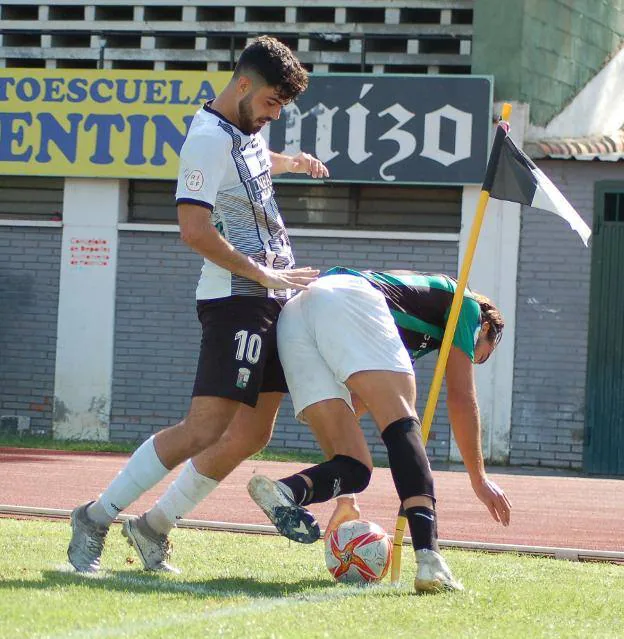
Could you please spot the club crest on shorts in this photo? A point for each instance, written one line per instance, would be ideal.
(243, 377)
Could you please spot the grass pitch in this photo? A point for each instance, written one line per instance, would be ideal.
(236, 585)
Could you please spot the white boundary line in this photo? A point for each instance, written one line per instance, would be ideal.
(244, 607)
(570, 554)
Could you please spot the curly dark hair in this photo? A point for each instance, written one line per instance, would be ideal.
(491, 315)
(276, 64)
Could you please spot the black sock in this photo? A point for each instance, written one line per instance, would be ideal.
(423, 527)
(340, 475)
(298, 486)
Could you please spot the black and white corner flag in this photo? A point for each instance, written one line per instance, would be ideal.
(511, 175)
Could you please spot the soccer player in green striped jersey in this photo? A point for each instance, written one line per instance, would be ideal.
(420, 303)
(347, 344)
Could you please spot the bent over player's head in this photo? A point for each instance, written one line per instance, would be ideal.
(268, 76)
(492, 325)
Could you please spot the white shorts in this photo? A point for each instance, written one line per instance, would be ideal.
(339, 326)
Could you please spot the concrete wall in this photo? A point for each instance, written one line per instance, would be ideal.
(544, 51)
(548, 415)
(157, 334)
(29, 288)
(85, 331)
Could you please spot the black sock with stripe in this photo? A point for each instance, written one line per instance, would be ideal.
(423, 527)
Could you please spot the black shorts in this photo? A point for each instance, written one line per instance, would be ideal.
(238, 356)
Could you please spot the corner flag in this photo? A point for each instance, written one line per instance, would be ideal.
(511, 175)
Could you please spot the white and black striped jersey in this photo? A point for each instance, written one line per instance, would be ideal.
(228, 172)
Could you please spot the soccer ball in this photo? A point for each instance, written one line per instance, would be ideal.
(358, 552)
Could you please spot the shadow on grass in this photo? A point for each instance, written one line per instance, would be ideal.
(126, 581)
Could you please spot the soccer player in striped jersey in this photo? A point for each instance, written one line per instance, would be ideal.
(354, 334)
(227, 214)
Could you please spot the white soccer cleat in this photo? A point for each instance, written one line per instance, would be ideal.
(290, 519)
(153, 549)
(87, 541)
(433, 573)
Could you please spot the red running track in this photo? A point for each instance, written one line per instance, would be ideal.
(548, 510)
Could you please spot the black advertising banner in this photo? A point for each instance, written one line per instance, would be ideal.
(391, 129)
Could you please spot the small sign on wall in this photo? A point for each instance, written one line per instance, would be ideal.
(89, 252)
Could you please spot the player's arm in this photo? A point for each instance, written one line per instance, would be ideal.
(200, 178)
(198, 232)
(463, 412)
(300, 163)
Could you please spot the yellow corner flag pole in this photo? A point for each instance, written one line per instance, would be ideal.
(445, 349)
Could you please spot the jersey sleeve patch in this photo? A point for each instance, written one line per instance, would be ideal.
(203, 161)
(194, 180)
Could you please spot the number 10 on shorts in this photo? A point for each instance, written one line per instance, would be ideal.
(248, 347)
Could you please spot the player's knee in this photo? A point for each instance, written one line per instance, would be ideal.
(354, 474)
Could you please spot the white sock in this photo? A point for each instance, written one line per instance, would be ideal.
(143, 471)
(180, 498)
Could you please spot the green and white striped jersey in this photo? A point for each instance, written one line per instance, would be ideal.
(420, 304)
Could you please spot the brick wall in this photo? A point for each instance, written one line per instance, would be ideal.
(548, 414)
(157, 334)
(29, 285)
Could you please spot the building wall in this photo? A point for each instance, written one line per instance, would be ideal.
(544, 51)
(548, 415)
(29, 285)
(157, 334)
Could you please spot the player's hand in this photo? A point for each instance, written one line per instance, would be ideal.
(297, 278)
(346, 510)
(306, 163)
(494, 499)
